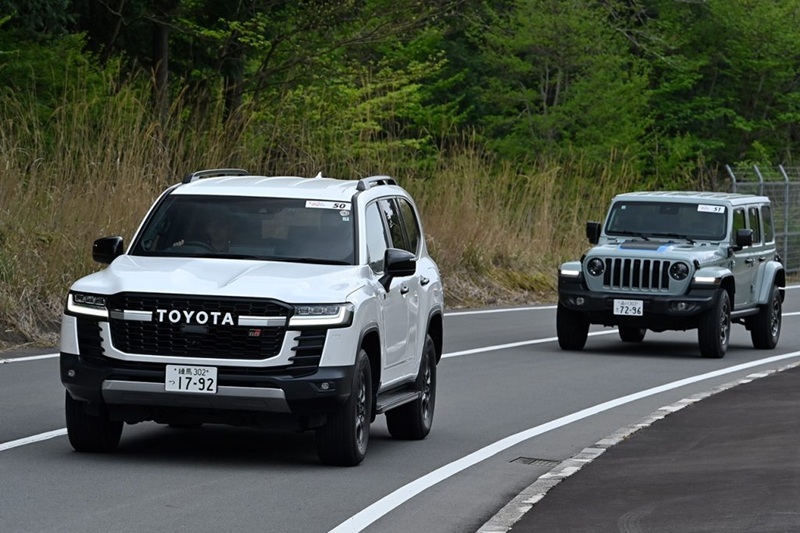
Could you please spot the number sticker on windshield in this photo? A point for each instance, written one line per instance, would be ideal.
(703, 208)
(319, 204)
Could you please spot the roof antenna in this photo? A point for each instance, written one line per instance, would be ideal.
(318, 175)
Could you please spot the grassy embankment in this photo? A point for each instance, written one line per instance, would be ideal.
(94, 166)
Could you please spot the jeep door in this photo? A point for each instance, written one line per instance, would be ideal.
(745, 261)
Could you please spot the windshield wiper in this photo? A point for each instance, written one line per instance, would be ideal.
(674, 236)
(312, 261)
(629, 233)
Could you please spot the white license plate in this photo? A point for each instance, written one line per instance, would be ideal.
(629, 307)
(186, 378)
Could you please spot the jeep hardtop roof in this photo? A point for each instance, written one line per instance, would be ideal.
(240, 183)
(689, 196)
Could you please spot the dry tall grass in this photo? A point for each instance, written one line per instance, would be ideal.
(94, 166)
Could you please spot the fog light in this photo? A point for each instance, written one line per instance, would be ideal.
(579, 300)
(71, 373)
(681, 306)
(326, 385)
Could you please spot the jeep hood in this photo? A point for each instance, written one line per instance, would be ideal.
(288, 282)
(659, 250)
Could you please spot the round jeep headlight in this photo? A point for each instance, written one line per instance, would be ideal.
(595, 266)
(679, 271)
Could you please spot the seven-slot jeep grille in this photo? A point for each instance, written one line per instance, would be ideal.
(639, 274)
(224, 341)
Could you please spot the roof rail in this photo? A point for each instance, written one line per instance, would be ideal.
(366, 183)
(214, 173)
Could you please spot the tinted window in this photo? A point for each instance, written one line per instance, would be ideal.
(394, 222)
(738, 222)
(667, 219)
(755, 224)
(766, 217)
(376, 238)
(411, 224)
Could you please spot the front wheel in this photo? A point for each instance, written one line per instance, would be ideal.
(765, 327)
(714, 331)
(343, 440)
(413, 421)
(572, 328)
(90, 432)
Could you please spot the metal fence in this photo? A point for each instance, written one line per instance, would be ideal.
(782, 186)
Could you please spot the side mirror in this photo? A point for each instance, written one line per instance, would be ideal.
(397, 264)
(744, 237)
(593, 230)
(107, 249)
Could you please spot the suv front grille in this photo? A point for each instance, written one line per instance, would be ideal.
(222, 341)
(639, 274)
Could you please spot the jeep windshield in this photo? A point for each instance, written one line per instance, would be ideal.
(671, 220)
(271, 229)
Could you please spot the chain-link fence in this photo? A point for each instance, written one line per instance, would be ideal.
(782, 186)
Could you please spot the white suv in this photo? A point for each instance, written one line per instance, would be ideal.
(279, 302)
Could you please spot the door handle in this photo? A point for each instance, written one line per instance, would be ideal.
(424, 281)
(749, 261)
(761, 259)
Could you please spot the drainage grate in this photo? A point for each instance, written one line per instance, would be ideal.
(535, 462)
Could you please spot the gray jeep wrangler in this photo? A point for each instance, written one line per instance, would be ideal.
(676, 261)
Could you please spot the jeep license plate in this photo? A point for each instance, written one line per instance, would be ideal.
(628, 307)
(185, 378)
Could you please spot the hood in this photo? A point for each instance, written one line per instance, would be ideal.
(700, 252)
(288, 282)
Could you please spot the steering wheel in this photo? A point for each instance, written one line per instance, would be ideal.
(200, 244)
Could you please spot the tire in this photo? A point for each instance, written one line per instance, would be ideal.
(572, 328)
(714, 331)
(631, 334)
(90, 433)
(343, 440)
(765, 327)
(413, 421)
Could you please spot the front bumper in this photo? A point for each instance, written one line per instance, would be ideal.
(660, 312)
(136, 392)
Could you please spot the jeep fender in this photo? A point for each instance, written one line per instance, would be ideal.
(723, 274)
(772, 273)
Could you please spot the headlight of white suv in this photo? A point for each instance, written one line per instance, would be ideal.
(87, 304)
(322, 315)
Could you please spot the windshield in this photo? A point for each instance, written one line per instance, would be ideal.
(673, 220)
(297, 230)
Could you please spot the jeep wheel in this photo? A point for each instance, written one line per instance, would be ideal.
(343, 440)
(413, 421)
(572, 328)
(88, 432)
(631, 334)
(714, 331)
(765, 327)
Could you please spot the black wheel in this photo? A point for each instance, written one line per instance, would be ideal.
(714, 331)
(765, 327)
(90, 432)
(343, 440)
(413, 421)
(630, 334)
(572, 328)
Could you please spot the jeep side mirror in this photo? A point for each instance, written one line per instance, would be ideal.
(593, 230)
(397, 264)
(107, 249)
(744, 237)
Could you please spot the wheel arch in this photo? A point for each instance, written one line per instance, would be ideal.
(371, 343)
(436, 332)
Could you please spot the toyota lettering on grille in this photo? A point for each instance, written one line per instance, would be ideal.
(175, 316)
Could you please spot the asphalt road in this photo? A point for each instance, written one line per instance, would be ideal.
(510, 406)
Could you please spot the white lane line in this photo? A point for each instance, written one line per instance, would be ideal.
(28, 358)
(516, 345)
(30, 440)
(382, 507)
(490, 311)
